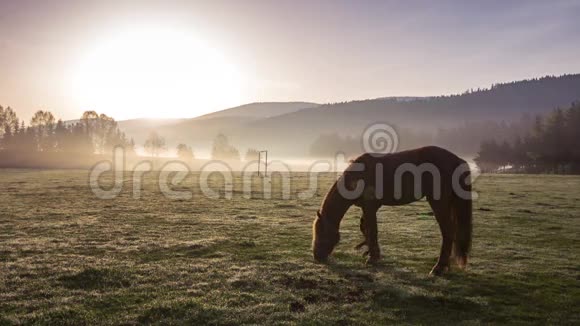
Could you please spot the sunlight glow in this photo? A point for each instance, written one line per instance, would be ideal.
(155, 73)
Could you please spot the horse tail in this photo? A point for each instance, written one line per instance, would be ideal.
(462, 216)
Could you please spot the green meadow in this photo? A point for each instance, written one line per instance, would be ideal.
(67, 257)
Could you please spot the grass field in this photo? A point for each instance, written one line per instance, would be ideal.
(69, 258)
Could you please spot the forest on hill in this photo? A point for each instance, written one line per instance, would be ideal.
(459, 122)
(548, 146)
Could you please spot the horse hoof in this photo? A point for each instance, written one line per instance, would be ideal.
(372, 260)
(439, 270)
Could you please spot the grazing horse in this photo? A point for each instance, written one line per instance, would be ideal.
(374, 180)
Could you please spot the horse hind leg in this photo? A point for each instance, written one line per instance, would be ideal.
(442, 211)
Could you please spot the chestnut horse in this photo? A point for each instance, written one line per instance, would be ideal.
(374, 180)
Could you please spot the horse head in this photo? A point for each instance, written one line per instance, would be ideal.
(325, 237)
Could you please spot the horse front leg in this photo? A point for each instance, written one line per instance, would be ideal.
(370, 218)
(363, 231)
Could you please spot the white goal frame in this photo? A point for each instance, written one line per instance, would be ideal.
(265, 154)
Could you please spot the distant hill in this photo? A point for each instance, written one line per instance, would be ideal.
(260, 110)
(425, 116)
(290, 128)
(202, 130)
(136, 124)
(500, 102)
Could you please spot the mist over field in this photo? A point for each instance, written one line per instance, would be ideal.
(459, 122)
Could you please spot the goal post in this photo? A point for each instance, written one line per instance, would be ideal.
(264, 155)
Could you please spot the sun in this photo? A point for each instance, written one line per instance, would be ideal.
(155, 72)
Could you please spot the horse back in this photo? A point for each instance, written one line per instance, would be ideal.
(430, 168)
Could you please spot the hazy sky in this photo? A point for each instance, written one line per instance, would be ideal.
(64, 56)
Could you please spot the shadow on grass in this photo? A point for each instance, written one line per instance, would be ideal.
(239, 250)
(158, 253)
(408, 296)
(187, 312)
(64, 316)
(464, 296)
(92, 278)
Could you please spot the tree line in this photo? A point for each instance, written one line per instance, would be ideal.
(549, 146)
(93, 133)
(221, 149)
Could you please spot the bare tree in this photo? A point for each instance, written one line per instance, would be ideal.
(184, 152)
(42, 118)
(154, 144)
(43, 123)
(252, 154)
(8, 120)
(222, 150)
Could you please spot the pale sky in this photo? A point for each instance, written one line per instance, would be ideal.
(133, 59)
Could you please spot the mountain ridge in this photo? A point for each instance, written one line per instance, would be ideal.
(293, 126)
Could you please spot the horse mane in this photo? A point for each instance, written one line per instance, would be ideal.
(334, 205)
